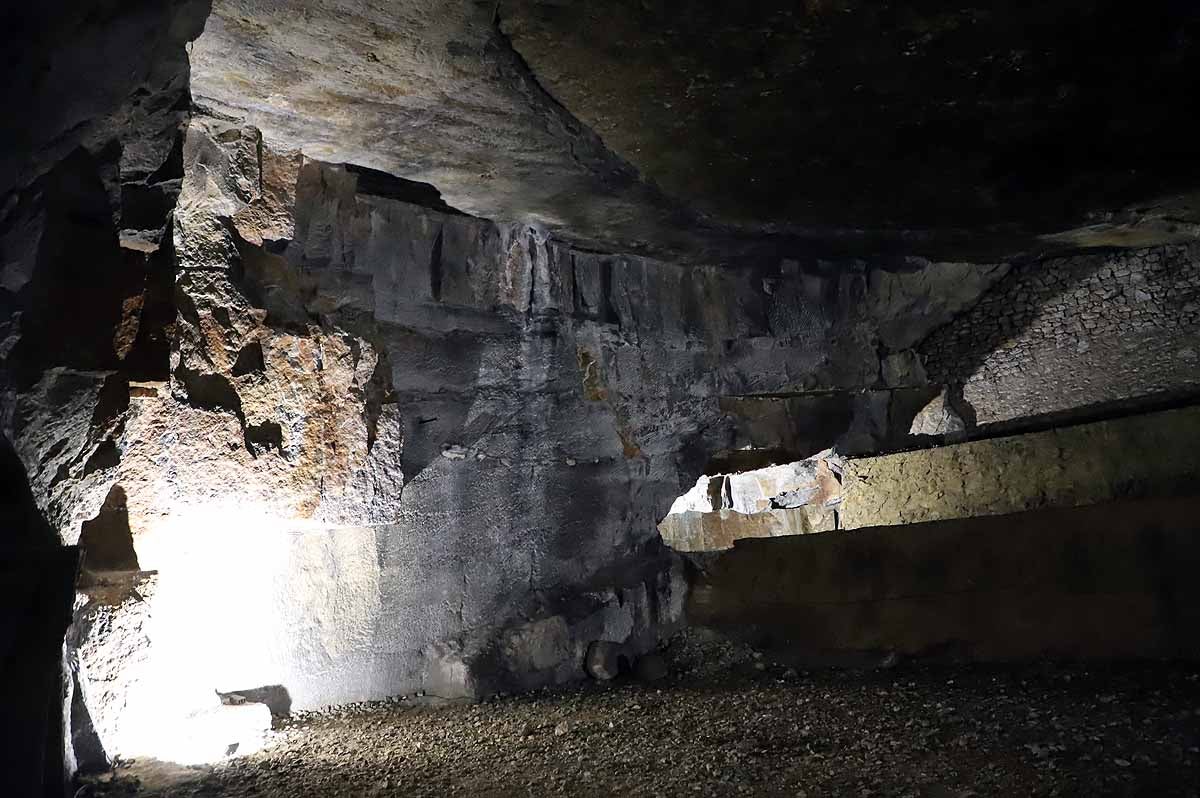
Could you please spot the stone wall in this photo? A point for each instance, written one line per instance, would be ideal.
(1068, 333)
(1110, 581)
(362, 445)
(1156, 454)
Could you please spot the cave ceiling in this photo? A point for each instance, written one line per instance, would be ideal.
(683, 129)
(718, 129)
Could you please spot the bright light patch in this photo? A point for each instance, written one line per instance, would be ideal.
(242, 600)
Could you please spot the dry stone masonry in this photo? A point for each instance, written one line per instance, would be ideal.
(1067, 333)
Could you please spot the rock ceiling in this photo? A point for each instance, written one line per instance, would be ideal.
(714, 130)
(685, 129)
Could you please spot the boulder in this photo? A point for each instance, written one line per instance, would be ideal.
(603, 661)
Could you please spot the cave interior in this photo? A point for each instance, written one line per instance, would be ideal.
(529, 397)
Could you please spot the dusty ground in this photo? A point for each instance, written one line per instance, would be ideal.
(729, 723)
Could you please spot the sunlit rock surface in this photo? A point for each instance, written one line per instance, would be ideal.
(792, 499)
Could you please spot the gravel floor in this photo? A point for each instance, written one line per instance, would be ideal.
(726, 722)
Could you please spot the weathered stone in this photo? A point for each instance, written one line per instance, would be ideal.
(1148, 455)
(603, 660)
(352, 84)
(938, 417)
(1109, 354)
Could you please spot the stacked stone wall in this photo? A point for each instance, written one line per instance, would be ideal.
(1068, 333)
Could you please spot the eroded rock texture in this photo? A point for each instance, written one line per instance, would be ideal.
(793, 499)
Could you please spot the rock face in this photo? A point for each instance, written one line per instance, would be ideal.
(428, 450)
(1112, 581)
(432, 92)
(89, 75)
(793, 499)
(1151, 455)
(322, 435)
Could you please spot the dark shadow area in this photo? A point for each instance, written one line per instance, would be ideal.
(90, 756)
(71, 318)
(149, 355)
(249, 360)
(261, 438)
(381, 184)
(210, 392)
(106, 540)
(37, 589)
(986, 116)
(20, 518)
(1109, 581)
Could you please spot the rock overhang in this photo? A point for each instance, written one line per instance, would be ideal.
(970, 133)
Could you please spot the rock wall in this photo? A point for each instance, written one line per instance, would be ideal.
(1109, 581)
(350, 443)
(1138, 456)
(1068, 333)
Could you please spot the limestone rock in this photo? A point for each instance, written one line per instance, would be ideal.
(938, 417)
(319, 341)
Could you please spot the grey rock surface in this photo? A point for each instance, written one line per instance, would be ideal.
(938, 417)
(430, 91)
(429, 450)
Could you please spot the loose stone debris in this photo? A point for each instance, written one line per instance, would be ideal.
(717, 725)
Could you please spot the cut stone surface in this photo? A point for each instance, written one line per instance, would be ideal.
(938, 418)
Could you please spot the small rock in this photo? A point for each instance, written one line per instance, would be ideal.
(562, 729)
